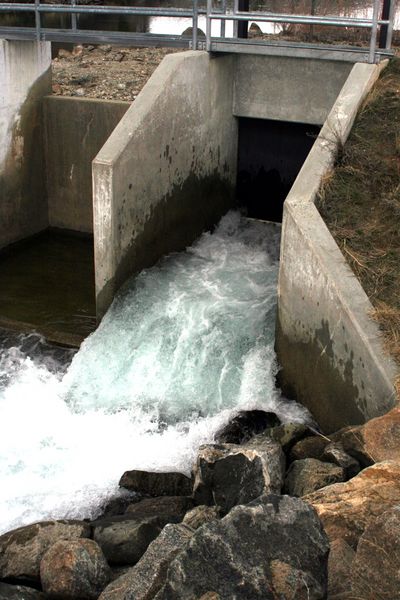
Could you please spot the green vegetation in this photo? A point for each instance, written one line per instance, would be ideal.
(360, 202)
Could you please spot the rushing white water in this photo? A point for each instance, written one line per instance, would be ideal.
(185, 345)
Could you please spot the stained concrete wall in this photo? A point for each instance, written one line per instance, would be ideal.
(24, 79)
(168, 170)
(330, 349)
(287, 89)
(75, 131)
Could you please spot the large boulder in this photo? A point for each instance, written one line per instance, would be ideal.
(245, 425)
(124, 540)
(287, 434)
(306, 476)
(272, 548)
(19, 592)
(228, 474)
(21, 550)
(74, 570)
(376, 441)
(346, 509)
(169, 509)
(156, 484)
(146, 578)
(376, 568)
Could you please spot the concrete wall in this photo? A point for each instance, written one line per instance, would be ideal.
(330, 349)
(75, 130)
(168, 170)
(287, 89)
(24, 79)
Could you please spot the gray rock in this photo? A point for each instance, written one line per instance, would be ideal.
(145, 579)
(312, 446)
(287, 434)
(75, 569)
(200, 515)
(376, 567)
(308, 475)
(272, 548)
(246, 425)
(156, 484)
(340, 564)
(21, 550)
(124, 540)
(335, 453)
(171, 509)
(19, 592)
(228, 474)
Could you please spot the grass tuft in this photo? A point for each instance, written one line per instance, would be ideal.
(360, 203)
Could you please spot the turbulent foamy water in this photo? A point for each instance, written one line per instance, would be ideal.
(186, 345)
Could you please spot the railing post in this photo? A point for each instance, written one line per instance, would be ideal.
(195, 24)
(374, 31)
(37, 20)
(235, 23)
(243, 26)
(208, 25)
(73, 17)
(223, 22)
(389, 28)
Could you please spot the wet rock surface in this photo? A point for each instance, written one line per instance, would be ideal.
(145, 579)
(156, 484)
(307, 475)
(21, 550)
(73, 570)
(245, 425)
(170, 509)
(287, 434)
(272, 548)
(347, 509)
(228, 474)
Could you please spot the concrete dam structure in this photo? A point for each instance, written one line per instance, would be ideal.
(167, 167)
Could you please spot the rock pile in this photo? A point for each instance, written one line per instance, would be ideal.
(227, 532)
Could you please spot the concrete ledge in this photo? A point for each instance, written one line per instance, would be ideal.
(329, 346)
(168, 170)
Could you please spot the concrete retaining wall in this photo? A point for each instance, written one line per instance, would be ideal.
(168, 170)
(330, 349)
(287, 89)
(24, 79)
(75, 131)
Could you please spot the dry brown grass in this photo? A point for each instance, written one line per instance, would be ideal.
(360, 202)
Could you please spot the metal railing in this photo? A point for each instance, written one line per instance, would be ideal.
(212, 43)
(234, 44)
(74, 34)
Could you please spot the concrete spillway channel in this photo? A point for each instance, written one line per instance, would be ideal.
(204, 131)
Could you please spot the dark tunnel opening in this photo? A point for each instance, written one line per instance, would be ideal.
(270, 155)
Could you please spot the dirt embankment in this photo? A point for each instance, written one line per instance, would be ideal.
(360, 202)
(106, 72)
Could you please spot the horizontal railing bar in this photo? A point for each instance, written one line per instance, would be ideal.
(106, 10)
(94, 36)
(300, 19)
